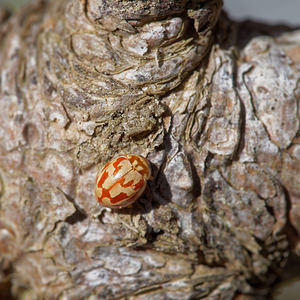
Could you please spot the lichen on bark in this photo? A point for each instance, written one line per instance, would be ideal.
(211, 103)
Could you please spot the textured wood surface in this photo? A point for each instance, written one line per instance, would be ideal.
(212, 104)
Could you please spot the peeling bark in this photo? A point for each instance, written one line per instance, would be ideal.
(211, 103)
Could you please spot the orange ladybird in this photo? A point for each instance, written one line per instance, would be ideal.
(122, 181)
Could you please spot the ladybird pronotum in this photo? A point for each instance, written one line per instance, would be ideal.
(122, 181)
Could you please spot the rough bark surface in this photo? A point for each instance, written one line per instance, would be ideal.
(213, 106)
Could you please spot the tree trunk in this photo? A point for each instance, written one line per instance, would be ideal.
(212, 104)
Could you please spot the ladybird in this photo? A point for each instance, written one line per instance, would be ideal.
(122, 181)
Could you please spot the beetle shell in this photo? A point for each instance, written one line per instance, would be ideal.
(122, 181)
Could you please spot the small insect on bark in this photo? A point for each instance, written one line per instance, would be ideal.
(122, 181)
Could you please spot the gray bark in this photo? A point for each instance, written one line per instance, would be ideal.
(213, 105)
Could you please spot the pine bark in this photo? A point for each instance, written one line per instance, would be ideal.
(212, 104)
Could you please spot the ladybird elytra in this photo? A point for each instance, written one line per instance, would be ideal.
(122, 181)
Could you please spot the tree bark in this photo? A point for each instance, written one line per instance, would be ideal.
(211, 103)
